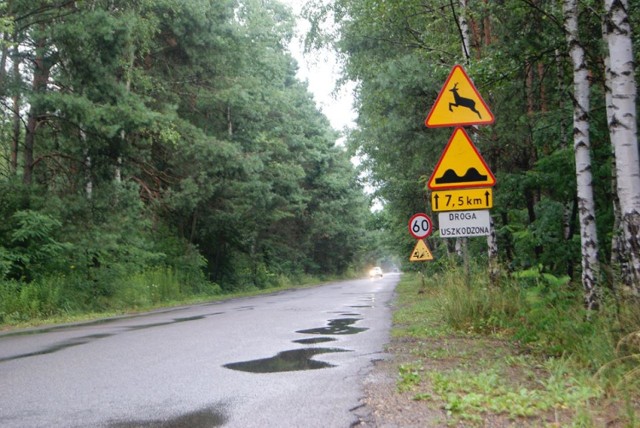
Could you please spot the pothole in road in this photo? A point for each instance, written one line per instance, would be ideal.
(313, 340)
(337, 326)
(204, 418)
(287, 361)
(58, 346)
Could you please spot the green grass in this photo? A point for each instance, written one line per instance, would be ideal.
(523, 353)
(64, 300)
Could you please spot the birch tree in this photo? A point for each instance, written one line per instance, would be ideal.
(582, 148)
(621, 114)
(492, 239)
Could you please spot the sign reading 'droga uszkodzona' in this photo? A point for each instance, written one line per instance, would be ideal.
(458, 224)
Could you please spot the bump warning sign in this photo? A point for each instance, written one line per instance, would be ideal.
(461, 166)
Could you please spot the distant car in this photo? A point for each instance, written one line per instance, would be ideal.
(375, 272)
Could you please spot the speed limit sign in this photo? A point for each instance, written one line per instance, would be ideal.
(420, 226)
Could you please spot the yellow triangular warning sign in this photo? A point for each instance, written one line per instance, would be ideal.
(459, 103)
(461, 166)
(421, 252)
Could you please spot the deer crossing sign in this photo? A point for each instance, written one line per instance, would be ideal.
(459, 103)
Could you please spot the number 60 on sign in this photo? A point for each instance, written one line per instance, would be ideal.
(420, 226)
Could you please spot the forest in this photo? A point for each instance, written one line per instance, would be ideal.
(558, 76)
(156, 150)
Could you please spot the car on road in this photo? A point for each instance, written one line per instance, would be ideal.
(376, 272)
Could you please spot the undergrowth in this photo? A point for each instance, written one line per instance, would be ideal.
(563, 365)
(51, 300)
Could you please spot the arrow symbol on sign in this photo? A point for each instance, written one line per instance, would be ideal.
(487, 194)
(435, 198)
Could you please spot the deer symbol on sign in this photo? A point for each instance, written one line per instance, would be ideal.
(462, 101)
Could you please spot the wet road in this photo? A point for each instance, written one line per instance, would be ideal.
(296, 358)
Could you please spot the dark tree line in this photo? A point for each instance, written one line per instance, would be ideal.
(144, 135)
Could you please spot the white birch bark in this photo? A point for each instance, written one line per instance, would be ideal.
(466, 54)
(619, 254)
(464, 31)
(492, 240)
(582, 148)
(88, 182)
(621, 114)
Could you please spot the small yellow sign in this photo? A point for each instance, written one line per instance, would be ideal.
(461, 199)
(459, 103)
(421, 252)
(461, 166)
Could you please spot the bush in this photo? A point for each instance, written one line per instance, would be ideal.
(23, 302)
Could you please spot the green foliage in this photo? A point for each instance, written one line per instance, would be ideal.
(173, 146)
(35, 250)
(20, 302)
(465, 395)
(400, 53)
(409, 376)
(460, 366)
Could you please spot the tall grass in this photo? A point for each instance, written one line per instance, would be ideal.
(22, 302)
(62, 296)
(546, 315)
(585, 364)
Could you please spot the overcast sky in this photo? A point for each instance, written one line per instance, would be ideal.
(321, 71)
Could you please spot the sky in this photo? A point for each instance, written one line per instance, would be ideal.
(321, 71)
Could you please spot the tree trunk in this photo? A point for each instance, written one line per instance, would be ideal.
(492, 240)
(17, 120)
(621, 113)
(582, 148)
(492, 252)
(88, 181)
(123, 135)
(3, 63)
(40, 79)
(464, 31)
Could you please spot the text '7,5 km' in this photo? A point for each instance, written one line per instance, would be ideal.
(461, 199)
(420, 226)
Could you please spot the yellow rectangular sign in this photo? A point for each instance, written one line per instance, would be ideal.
(461, 199)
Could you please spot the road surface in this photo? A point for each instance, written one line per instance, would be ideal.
(290, 359)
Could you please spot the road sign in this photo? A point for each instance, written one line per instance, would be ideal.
(459, 103)
(457, 224)
(420, 226)
(421, 252)
(461, 165)
(461, 199)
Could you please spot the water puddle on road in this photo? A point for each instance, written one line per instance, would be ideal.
(314, 340)
(58, 346)
(337, 326)
(204, 418)
(287, 361)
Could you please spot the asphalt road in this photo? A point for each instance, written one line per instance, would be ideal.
(291, 359)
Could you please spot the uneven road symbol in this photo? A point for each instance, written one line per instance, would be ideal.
(461, 165)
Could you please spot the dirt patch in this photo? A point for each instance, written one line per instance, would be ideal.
(394, 399)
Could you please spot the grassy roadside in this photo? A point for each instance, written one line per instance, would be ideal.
(492, 358)
(146, 304)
